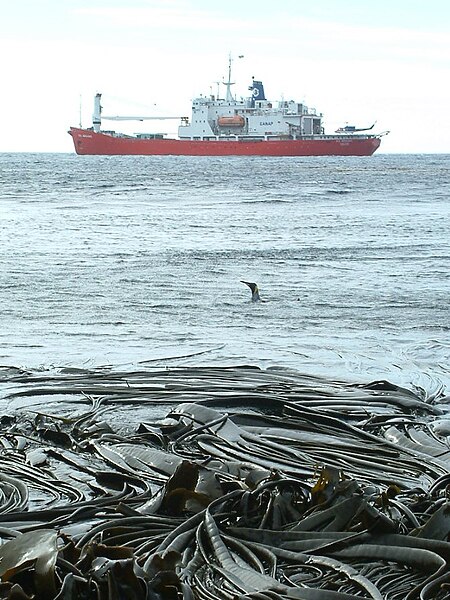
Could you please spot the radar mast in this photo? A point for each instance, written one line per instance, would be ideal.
(229, 83)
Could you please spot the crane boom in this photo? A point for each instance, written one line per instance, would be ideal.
(98, 116)
(120, 118)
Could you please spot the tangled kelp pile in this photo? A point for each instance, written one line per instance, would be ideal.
(218, 483)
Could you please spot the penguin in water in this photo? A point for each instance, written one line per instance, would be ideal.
(255, 291)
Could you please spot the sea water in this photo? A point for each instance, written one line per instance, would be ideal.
(127, 261)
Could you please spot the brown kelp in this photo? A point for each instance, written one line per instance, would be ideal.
(218, 483)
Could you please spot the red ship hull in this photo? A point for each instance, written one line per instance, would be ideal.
(89, 142)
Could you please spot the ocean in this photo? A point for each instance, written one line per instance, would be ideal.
(155, 422)
(126, 261)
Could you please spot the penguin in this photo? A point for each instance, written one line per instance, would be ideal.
(255, 291)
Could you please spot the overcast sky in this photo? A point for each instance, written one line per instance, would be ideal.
(356, 61)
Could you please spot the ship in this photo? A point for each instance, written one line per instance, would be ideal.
(251, 126)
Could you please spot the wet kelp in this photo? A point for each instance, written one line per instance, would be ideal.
(218, 483)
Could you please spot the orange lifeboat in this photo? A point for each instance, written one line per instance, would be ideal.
(235, 121)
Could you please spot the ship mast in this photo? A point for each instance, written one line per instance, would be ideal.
(229, 83)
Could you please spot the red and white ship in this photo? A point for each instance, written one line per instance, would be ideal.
(227, 126)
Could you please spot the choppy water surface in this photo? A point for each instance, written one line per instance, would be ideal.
(156, 423)
(117, 260)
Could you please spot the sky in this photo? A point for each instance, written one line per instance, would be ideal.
(356, 61)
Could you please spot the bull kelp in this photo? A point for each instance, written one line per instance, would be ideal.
(221, 483)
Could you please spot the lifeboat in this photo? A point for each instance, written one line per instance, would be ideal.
(235, 121)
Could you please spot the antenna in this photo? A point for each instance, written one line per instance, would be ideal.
(81, 126)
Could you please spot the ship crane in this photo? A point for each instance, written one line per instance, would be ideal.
(97, 116)
(119, 118)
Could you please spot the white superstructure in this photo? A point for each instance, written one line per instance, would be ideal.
(255, 117)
